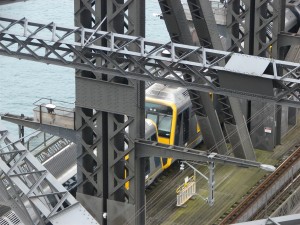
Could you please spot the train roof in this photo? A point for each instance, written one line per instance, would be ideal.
(177, 95)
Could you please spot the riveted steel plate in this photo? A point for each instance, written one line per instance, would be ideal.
(247, 64)
(106, 96)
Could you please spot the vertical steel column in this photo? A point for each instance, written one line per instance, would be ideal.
(238, 23)
(207, 32)
(128, 17)
(179, 32)
(253, 27)
(107, 132)
(268, 20)
(89, 133)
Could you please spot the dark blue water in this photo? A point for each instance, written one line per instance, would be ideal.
(24, 82)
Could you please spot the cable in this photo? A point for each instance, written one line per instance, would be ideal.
(150, 202)
(252, 131)
(256, 127)
(242, 126)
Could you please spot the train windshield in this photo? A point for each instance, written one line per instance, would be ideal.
(162, 116)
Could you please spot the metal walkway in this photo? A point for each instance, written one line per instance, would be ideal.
(32, 191)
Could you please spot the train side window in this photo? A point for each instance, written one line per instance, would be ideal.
(164, 126)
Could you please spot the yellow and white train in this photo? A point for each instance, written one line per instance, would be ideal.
(169, 120)
(170, 109)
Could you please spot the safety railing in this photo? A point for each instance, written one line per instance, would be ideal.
(37, 140)
(48, 111)
(186, 191)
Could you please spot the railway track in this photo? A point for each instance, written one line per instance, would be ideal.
(275, 202)
(266, 191)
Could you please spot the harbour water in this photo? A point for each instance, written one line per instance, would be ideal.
(24, 82)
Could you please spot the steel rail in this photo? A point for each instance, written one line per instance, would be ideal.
(282, 195)
(250, 200)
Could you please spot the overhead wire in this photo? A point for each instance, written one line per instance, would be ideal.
(198, 179)
(238, 128)
(254, 128)
(151, 201)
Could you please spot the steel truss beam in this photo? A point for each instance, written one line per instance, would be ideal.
(234, 121)
(148, 148)
(238, 23)
(103, 129)
(89, 163)
(269, 19)
(124, 61)
(253, 28)
(176, 22)
(145, 148)
(288, 39)
(38, 196)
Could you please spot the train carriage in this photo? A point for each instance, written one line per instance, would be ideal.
(170, 108)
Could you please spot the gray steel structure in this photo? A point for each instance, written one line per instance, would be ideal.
(282, 220)
(290, 204)
(234, 122)
(268, 195)
(254, 26)
(76, 211)
(28, 43)
(32, 191)
(143, 149)
(174, 17)
(102, 102)
(128, 61)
